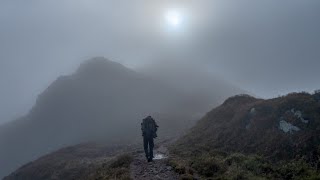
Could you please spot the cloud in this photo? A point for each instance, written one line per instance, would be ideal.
(268, 48)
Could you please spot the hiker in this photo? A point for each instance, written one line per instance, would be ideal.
(149, 129)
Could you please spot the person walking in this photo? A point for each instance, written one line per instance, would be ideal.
(149, 129)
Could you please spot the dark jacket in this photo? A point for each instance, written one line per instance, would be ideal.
(149, 127)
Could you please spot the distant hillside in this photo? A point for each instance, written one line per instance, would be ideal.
(193, 80)
(254, 138)
(102, 101)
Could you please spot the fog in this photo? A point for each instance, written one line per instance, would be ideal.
(267, 48)
(105, 101)
(206, 52)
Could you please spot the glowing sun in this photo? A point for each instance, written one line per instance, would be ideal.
(174, 18)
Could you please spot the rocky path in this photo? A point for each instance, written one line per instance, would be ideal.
(140, 169)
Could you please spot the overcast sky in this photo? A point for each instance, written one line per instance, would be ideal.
(266, 47)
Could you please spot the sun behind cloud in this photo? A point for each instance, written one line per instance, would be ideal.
(173, 18)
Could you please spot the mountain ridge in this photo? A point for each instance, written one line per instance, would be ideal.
(221, 145)
(93, 103)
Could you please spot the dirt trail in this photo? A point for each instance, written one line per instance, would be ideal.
(140, 169)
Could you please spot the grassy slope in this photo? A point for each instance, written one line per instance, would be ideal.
(118, 168)
(82, 162)
(222, 146)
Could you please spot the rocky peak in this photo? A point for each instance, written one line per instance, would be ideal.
(100, 67)
(241, 99)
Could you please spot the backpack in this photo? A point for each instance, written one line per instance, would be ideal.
(149, 127)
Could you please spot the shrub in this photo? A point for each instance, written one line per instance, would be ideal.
(316, 95)
(186, 177)
(117, 169)
(208, 165)
(235, 158)
(122, 161)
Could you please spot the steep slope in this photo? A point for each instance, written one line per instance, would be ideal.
(102, 100)
(283, 131)
(92, 161)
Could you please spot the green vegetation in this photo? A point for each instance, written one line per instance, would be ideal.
(234, 166)
(317, 95)
(242, 139)
(118, 169)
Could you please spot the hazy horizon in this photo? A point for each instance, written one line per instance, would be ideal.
(268, 48)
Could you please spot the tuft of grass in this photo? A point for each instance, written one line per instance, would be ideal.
(117, 169)
(297, 170)
(186, 177)
(208, 165)
(122, 161)
(237, 166)
(178, 166)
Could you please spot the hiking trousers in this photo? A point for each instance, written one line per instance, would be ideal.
(148, 146)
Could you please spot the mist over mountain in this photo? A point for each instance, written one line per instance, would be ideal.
(102, 101)
(269, 48)
(194, 80)
(243, 138)
(217, 77)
